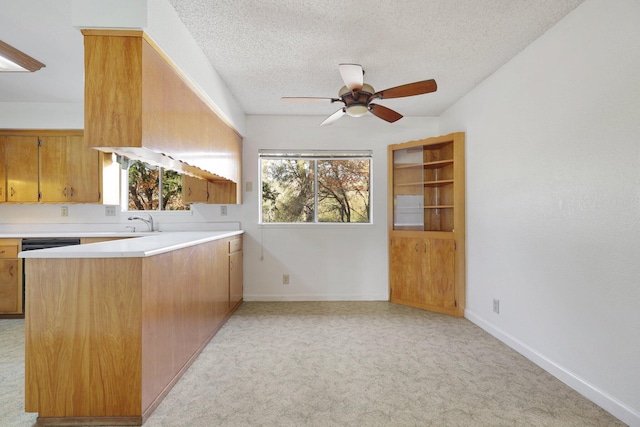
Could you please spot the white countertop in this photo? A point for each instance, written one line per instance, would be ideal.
(147, 244)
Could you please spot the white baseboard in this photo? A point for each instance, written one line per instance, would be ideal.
(604, 400)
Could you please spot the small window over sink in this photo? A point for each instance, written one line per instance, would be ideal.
(151, 188)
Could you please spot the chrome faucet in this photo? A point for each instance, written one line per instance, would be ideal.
(148, 221)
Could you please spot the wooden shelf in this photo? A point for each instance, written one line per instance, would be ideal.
(439, 207)
(428, 165)
(439, 183)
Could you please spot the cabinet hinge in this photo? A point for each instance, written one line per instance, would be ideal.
(455, 246)
(455, 303)
(39, 195)
(39, 142)
(99, 196)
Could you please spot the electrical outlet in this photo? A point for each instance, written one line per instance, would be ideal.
(248, 186)
(223, 211)
(109, 211)
(496, 306)
(64, 211)
(285, 279)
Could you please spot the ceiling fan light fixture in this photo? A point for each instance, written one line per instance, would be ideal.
(357, 110)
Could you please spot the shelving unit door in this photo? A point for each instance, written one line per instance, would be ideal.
(408, 189)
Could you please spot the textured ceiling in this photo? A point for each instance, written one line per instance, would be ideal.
(266, 49)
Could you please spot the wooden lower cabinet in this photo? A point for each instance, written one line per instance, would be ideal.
(10, 278)
(422, 273)
(107, 338)
(235, 271)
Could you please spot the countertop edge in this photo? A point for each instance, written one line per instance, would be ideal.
(133, 247)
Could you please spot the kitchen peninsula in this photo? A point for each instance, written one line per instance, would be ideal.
(110, 327)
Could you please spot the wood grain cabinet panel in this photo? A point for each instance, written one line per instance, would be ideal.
(55, 166)
(198, 190)
(107, 338)
(21, 163)
(69, 171)
(10, 277)
(194, 190)
(139, 104)
(3, 172)
(235, 271)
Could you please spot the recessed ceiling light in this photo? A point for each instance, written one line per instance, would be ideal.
(12, 60)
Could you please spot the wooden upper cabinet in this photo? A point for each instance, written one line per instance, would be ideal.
(21, 160)
(53, 169)
(3, 172)
(137, 101)
(198, 190)
(194, 190)
(69, 170)
(55, 166)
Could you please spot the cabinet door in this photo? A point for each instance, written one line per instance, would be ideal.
(53, 169)
(10, 286)
(438, 287)
(220, 273)
(194, 190)
(422, 272)
(21, 154)
(83, 171)
(405, 275)
(222, 192)
(3, 172)
(235, 278)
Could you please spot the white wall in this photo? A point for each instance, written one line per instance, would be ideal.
(553, 202)
(35, 115)
(325, 262)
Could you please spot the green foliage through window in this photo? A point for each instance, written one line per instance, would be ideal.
(315, 190)
(146, 183)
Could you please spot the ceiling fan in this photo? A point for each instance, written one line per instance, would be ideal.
(357, 96)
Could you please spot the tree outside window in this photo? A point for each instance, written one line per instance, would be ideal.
(319, 190)
(146, 183)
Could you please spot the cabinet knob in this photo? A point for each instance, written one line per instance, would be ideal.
(11, 271)
(72, 192)
(12, 192)
(64, 192)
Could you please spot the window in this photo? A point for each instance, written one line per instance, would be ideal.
(315, 187)
(152, 188)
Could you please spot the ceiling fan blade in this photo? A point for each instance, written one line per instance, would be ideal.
(334, 117)
(384, 113)
(411, 89)
(308, 98)
(352, 75)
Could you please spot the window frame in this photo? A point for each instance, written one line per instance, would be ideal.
(124, 190)
(315, 155)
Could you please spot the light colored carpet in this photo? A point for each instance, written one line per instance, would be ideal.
(345, 364)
